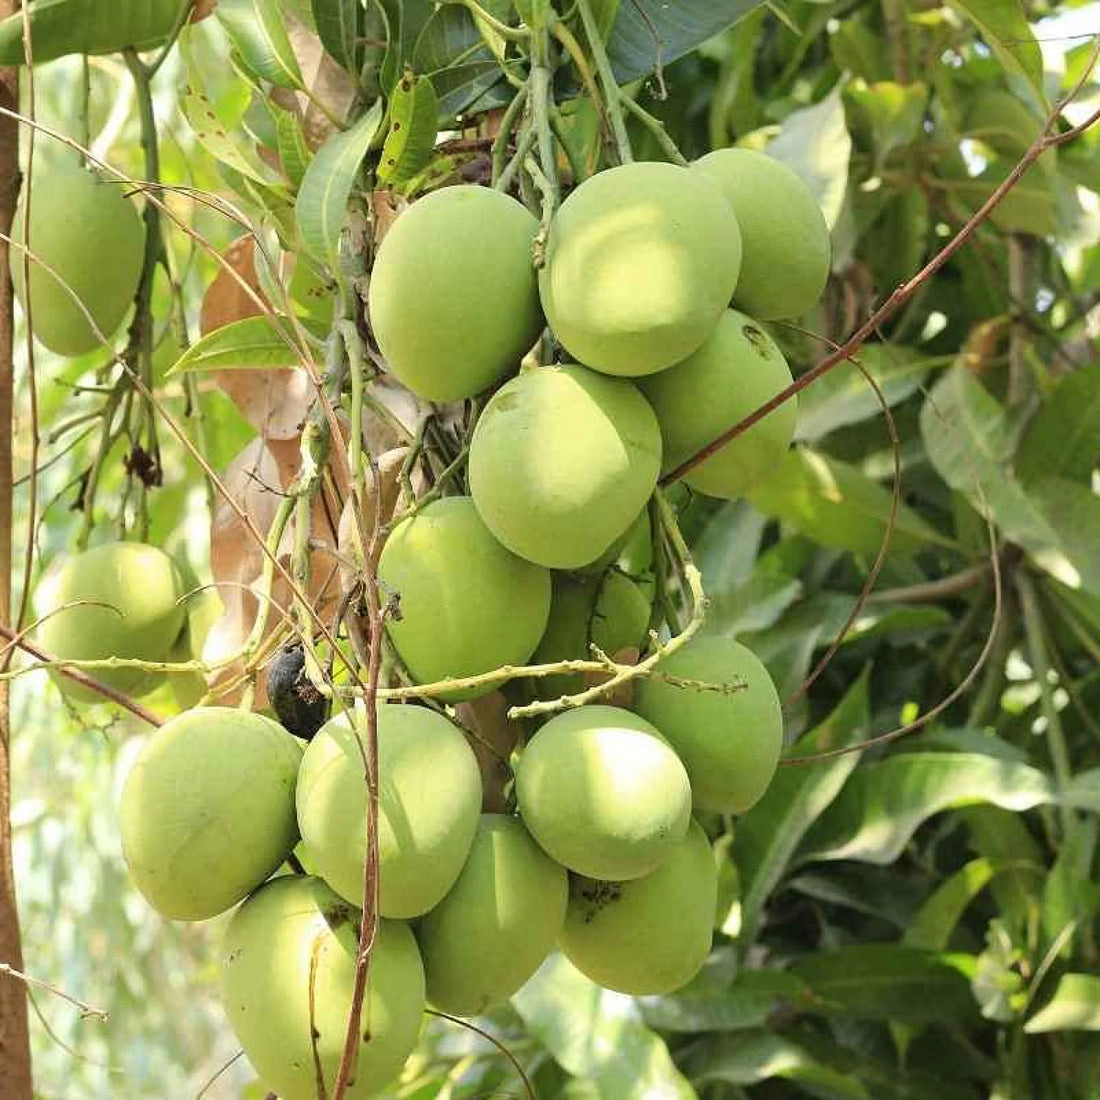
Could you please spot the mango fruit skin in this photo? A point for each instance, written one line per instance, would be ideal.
(61, 27)
(736, 371)
(652, 934)
(609, 611)
(207, 810)
(603, 793)
(640, 262)
(429, 801)
(561, 462)
(499, 921)
(785, 239)
(89, 233)
(453, 295)
(730, 744)
(468, 605)
(135, 614)
(293, 943)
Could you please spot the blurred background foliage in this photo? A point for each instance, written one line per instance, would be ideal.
(917, 920)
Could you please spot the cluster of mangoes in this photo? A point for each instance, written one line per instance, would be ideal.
(603, 859)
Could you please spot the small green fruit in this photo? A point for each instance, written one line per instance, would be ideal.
(429, 801)
(609, 611)
(498, 923)
(561, 462)
(602, 793)
(467, 605)
(207, 811)
(640, 262)
(131, 611)
(87, 231)
(286, 973)
(735, 372)
(730, 744)
(783, 232)
(650, 935)
(453, 296)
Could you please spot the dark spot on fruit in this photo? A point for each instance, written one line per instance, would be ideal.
(391, 161)
(395, 127)
(406, 86)
(367, 1036)
(758, 340)
(315, 1033)
(300, 707)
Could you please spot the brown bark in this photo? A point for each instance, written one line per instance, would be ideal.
(15, 1054)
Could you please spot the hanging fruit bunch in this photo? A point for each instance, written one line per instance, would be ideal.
(482, 715)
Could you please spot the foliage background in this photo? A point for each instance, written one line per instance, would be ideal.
(965, 832)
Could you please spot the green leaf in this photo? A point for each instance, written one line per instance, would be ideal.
(970, 443)
(892, 112)
(61, 27)
(749, 1059)
(1069, 894)
(815, 143)
(597, 1035)
(1062, 440)
(647, 34)
(1072, 512)
(249, 344)
(942, 910)
(843, 396)
(883, 804)
(1005, 28)
(753, 998)
(768, 835)
(327, 186)
(339, 26)
(889, 982)
(410, 141)
(258, 31)
(1075, 1006)
(836, 505)
(295, 154)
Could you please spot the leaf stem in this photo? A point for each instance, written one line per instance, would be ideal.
(612, 92)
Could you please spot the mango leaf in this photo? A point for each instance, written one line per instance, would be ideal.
(843, 396)
(258, 32)
(597, 1035)
(815, 143)
(1075, 1006)
(1072, 512)
(1069, 894)
(889, 982)
(294, 154)
(942, 910)
(768, 835)
(339, 26)
(1005, 28)
(250, 344)
(410, 141)
(892, 112)
(753, 998)
(1062, 440)
(647, 34)
(836, 505)
(749, 1059)
(884, 803)
(970, 443)
(328, 182)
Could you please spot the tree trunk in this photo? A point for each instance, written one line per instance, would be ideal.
(15, 1053)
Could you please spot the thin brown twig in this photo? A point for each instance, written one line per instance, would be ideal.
(528, 1087)
(1046, 140)
(79, 677)
(87, 1011)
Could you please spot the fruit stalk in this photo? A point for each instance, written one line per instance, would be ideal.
(612, 92)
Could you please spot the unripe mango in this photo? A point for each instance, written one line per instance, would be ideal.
(207, 811)
(609, 611)
(87, 231)
(729, 743)
(735, 372)
(603, 793)
(640, 262)
(132, 611)
(650, 935)
(453, 296)
(498, 923)
(429, 800)
(467, 604)
(785, 238)
(286, 972)
(562, 461)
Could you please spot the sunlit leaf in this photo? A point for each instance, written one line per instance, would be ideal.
(1075, 1006)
